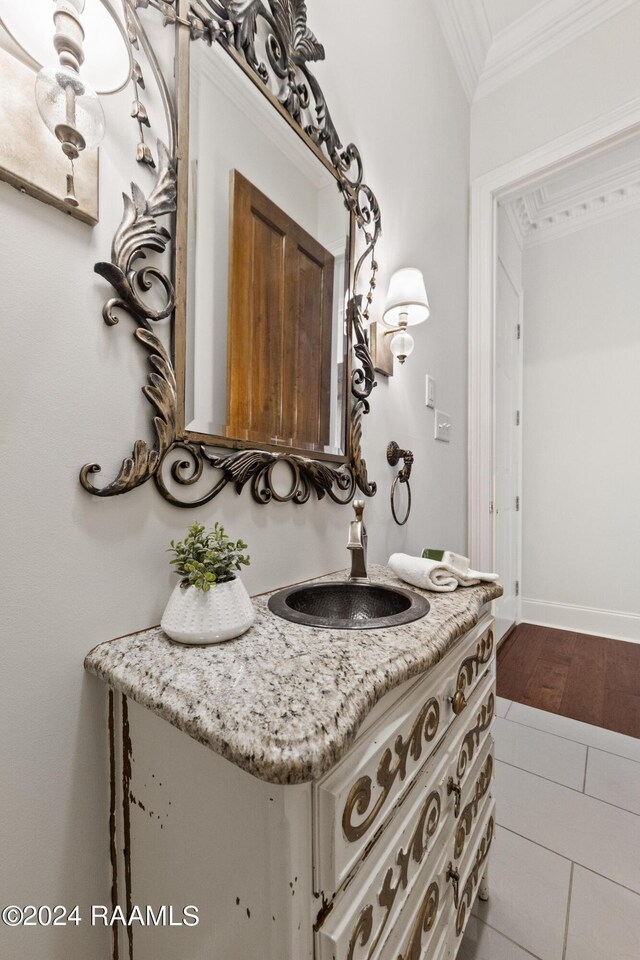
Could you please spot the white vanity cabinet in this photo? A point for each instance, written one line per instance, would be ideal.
(379, 856)
(403, 824)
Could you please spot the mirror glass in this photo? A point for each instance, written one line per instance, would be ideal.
(269, 241)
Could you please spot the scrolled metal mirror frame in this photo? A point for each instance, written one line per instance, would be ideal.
(290, 46)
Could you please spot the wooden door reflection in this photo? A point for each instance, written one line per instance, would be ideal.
(280, 326)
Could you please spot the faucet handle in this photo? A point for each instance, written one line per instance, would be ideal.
(358, 506)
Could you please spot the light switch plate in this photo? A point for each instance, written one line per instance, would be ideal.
(443, 426)
(430, 391)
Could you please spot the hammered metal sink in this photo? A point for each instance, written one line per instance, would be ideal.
(348, 606)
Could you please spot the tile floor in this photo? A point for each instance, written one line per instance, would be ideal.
(565, 867)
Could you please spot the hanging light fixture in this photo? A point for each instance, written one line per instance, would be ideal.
(406, 306)
(69, 107)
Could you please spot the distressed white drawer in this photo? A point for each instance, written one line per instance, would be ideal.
(427, 928)
(476, 788)
(353, 801)
(417, 933)
(473, 865)
(419, 835)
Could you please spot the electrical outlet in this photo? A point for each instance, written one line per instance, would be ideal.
(443, 427)
(430, 391)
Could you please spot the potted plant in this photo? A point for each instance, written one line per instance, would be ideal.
(210, 603)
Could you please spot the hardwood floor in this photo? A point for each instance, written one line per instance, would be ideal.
(593, 679)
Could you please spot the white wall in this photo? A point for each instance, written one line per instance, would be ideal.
(581, 459)
(590, 77)
(78, 570)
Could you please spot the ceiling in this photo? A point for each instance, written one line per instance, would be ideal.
(604, 185)
(492, 41)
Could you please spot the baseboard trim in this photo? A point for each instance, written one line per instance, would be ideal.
(567, 616)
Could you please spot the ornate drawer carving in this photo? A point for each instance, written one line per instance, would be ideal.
(472, 832)
(354, 801)
(360, 812)
(366, 911)
(366, 934)
(472, 744)
(415, 928)
(471, 669)
(481, 786)
(427, 928)
(422, 924)
(464, 891)
(404, 861)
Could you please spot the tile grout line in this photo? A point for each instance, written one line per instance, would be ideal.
(602, 877)
(581, 743)
(614, 806)
(558, 783)
(584, 782)
(610, 753)
(566, 926)
(575, 862)
(508, 708)
(510, 939)
(574, 789)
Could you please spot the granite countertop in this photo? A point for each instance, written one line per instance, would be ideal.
(284, 701)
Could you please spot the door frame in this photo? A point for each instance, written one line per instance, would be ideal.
(519, 292)
(486, 192)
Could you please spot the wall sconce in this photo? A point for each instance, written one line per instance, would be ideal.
(94, 54)
(68, 106)
(406, 306)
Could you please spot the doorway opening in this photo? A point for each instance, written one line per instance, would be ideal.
(553, 338)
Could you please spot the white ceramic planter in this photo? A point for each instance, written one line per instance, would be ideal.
(193, 616)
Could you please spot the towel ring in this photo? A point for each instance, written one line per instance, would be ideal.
(394, 455)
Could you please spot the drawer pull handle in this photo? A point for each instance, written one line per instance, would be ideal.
(454, 876)
(453, 787)
(458, 702)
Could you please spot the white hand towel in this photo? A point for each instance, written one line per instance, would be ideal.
(435, 575)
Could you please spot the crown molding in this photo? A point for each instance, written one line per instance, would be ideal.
(544, 201)
(468, 36)
(539, 33)
(537, 218)
(605, 208)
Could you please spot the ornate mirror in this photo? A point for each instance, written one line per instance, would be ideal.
(273, 232)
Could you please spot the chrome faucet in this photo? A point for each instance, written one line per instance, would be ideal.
(357, 544)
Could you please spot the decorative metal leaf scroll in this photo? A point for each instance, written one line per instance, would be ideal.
(289, 48)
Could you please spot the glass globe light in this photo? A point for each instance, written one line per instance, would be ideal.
(401, 345)
(70, 109)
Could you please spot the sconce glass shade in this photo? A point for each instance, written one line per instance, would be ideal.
(401, 345)
(407, 301)
(65, 101)
(107, 53)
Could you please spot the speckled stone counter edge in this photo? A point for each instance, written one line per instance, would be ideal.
(284, 702)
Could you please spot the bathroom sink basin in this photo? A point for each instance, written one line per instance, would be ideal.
(348, 606)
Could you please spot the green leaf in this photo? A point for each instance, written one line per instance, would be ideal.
(204, 559)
